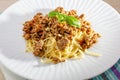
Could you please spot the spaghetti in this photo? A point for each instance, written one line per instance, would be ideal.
(54, 39)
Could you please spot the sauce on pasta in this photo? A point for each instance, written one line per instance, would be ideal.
(55, 40)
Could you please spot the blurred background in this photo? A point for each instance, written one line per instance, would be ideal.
(6, 3)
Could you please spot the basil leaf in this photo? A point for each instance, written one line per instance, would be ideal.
(61, 17)
(53, 14)
(73, 21)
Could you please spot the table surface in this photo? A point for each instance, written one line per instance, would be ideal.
(6, 3)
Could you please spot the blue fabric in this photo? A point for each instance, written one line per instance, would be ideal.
(111, 74)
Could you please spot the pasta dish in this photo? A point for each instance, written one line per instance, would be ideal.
(59, 35)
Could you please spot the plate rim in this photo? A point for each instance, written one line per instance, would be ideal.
(2, 14)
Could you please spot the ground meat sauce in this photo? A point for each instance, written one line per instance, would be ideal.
(62, 43)
(40, 27)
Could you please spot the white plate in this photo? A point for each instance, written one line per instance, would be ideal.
(104, 19)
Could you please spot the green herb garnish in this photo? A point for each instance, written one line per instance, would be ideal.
(71, 20)
(53, 14)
